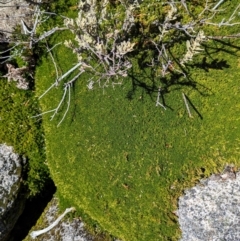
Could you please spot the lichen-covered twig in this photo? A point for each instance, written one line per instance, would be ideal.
(17, 74)
(193, 47)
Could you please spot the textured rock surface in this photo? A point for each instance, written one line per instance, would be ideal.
(66, 230)
(211, 210)
(11, 200)
(11, 14)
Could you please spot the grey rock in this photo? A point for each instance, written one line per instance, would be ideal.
(12, 13)
(66, 230)
(211, 210)
(11, 200)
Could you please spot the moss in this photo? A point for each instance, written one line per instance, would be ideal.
(122, 160)
(24, 133)
(125, 162)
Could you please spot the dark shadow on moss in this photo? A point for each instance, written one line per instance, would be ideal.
(176, 76)
(214, 64)
(172, 82)
(221, 45)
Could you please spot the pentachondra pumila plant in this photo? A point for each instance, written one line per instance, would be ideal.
(109, 35)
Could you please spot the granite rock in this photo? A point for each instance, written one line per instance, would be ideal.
(211, 210)
(11, 199)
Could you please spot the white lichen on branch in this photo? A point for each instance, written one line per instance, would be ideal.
(106, 49)
(103, 45)
(17, 75)
(193, 47)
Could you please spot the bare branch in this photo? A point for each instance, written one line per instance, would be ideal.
(43, 113)
(34, 234)
(218, 4)
(60, 103)
(68, 87)
(54, 63)
(187, 106)
(37, 13)
(46, 91)
(158, 99)
(50, 32)
(69, 72)
(226, 22)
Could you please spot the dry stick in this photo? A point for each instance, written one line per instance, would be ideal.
(158, 97)
(59, 79)
(8, 50)
(69, 101)
(46, 91)
(49, 111)
(69, 83)
(4, 57)
(50, 32)
(227, 23)
(217, 5)
(54, 46)
(25, 28)
(60, 103)
(54, 63)
(69, 72)
(67, 87)
(224, 37)
(183, 2)
(34, 234)
(187, 106)
(37, 11)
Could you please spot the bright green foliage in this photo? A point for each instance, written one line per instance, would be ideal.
(24, 133)
(124, 161)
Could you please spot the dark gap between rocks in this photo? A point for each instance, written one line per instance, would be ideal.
(33, 209)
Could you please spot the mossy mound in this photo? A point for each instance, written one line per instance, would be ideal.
(124, 161)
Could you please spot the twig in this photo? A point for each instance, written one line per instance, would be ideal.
(158, 99)
(9, 49)
(217, 5)
(224, 37)
(59, 79)
(25, 28)
(37, 12)
(68, 105)
(60, 103)
(187, 106)
(50, 32)
(228, 22)
(69, 72)
(54, 46)
(46, 91)
(67, 87)
(43, 113)
(34, 234)
(54, 63)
